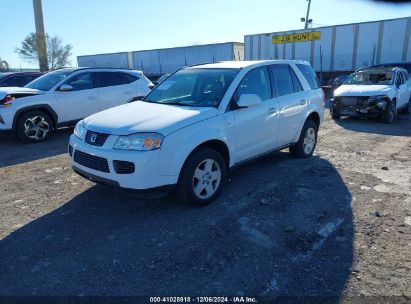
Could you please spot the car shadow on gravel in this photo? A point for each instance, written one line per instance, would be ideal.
(400, 127)
(15, 152)
(282, 228)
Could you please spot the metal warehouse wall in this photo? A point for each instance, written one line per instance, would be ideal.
(161, 61)
(344, 47)
(114, 60)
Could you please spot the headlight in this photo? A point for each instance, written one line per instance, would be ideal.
(80, 130)
(378, 100)
(139, 141)
(378, 97)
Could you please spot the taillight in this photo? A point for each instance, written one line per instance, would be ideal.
(324, 99)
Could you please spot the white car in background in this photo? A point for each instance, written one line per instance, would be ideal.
(63, 97)
(197, 124)
(379, 92)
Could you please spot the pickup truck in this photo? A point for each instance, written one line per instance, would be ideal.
(378, 92)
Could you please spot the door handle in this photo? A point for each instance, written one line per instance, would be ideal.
(303, 102)
(91, 97)
(127, 92)
(272, 111)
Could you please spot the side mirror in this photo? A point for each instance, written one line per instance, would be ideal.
(66, 88)
(248, 100)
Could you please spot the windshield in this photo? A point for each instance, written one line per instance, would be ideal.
(370, 78)
(194, 87)
(46, 82)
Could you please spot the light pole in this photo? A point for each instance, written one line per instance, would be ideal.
(40, 35)
(307, 19)
(308, 15)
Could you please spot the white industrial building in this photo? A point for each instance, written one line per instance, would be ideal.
(336, 48)
(161, 61)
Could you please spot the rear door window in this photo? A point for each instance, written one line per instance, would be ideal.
(108, 79)
(309, 74)
(283, 82)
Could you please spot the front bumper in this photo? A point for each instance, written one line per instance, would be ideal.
(358, 106)
(98, 165)
(6, 119)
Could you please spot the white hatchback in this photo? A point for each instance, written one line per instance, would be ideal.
(197, 124)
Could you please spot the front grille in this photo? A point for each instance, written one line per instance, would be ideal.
(70, 150)
(91, 161)
(354, 103)
(123, 167)
(95, 138)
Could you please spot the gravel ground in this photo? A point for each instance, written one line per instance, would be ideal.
(338, 225)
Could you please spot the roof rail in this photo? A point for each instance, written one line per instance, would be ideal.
(197, 64)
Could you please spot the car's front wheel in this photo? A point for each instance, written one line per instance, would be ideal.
(390, 112)
(305, 146)
(34, 126)
(202, 178)
(335, 114)
(407, 108)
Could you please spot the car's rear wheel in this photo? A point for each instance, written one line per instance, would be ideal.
(390, 112)
(34, 126)
(305, 146)
(202, 178)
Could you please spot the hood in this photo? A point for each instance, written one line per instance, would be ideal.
(4, 91)
(361, 90)
(142, 116)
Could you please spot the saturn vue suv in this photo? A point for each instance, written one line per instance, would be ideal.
(197, 124)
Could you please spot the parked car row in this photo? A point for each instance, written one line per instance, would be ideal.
(196, 124)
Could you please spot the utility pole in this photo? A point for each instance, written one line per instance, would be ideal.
(308, 15)
(307, 21)
(40, 35)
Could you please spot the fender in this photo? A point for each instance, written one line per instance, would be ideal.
(178, 146)
(35, 107)
(312, 108)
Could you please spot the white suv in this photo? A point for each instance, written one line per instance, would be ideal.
(376, 92)
(200, 122)
(63, 97)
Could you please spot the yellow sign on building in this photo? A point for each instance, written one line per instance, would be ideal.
(297, 37)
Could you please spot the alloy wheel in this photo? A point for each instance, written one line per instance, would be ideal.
(36, 127)
(309, 140)
(206, 179)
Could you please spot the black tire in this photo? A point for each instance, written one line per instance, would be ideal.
(407, 108)
(298, 150)
(390, 112)
(334, 113)
(37, 119)
(187, 181)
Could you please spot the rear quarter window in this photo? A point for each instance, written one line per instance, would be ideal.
(309, 75)
(130, 78)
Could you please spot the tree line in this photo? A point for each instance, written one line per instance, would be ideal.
(58, 53)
